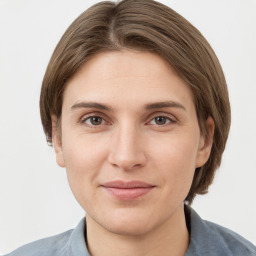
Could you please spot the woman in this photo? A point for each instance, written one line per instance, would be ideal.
(136, 106)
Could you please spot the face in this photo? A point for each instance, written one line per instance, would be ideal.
(130, 140)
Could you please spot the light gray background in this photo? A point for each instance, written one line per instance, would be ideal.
(35, 199)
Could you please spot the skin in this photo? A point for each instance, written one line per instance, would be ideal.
(161, 145)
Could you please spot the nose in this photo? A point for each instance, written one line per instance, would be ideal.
(127, 150)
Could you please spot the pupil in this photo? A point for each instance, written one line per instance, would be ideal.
(96, 120)
(160, 120)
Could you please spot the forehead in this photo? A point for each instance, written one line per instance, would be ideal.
(124, 63)
(127, 77)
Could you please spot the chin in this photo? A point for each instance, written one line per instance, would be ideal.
(128, 223)
(132, 228)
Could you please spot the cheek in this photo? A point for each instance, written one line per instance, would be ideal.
(176, 152)
(83, 161)
(82, 152)
(176, 161)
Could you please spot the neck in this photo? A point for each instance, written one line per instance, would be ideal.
(170, 238)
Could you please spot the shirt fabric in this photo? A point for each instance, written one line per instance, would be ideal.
(206, 239)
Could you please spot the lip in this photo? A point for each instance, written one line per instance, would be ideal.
(123, 190)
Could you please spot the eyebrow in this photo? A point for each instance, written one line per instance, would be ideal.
(149, 106)
(164, 104)
(91, 105)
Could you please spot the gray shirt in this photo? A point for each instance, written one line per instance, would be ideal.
(206, 238)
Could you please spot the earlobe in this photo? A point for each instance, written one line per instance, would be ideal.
(56, 140)
(205, 144)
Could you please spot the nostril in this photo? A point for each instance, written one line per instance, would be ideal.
(126, 165)
(126, 152)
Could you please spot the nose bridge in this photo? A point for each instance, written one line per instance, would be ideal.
(126, 149)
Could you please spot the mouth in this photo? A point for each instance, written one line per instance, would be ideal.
(131, 190)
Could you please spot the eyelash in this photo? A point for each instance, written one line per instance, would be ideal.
(88, 118)
(167, 119)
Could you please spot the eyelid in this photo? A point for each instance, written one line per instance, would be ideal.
(86, 116)
(89, 117)
(169, 116)
(107, 120)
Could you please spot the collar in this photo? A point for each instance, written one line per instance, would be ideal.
(206, 238)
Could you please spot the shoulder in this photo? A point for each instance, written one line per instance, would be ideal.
(50, 246)
(211, 239)
(230, 240)
(69, 243)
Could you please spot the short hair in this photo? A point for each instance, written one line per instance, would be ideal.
(144, 25)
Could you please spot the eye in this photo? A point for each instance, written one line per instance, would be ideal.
(94, 121)
(160, 120)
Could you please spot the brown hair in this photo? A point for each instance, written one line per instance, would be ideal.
(144, 25)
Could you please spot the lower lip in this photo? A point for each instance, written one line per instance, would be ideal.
(128, 193)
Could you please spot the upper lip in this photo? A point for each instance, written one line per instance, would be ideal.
(127, 184)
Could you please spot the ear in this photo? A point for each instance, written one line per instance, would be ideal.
(205, 144)
(57, 144)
